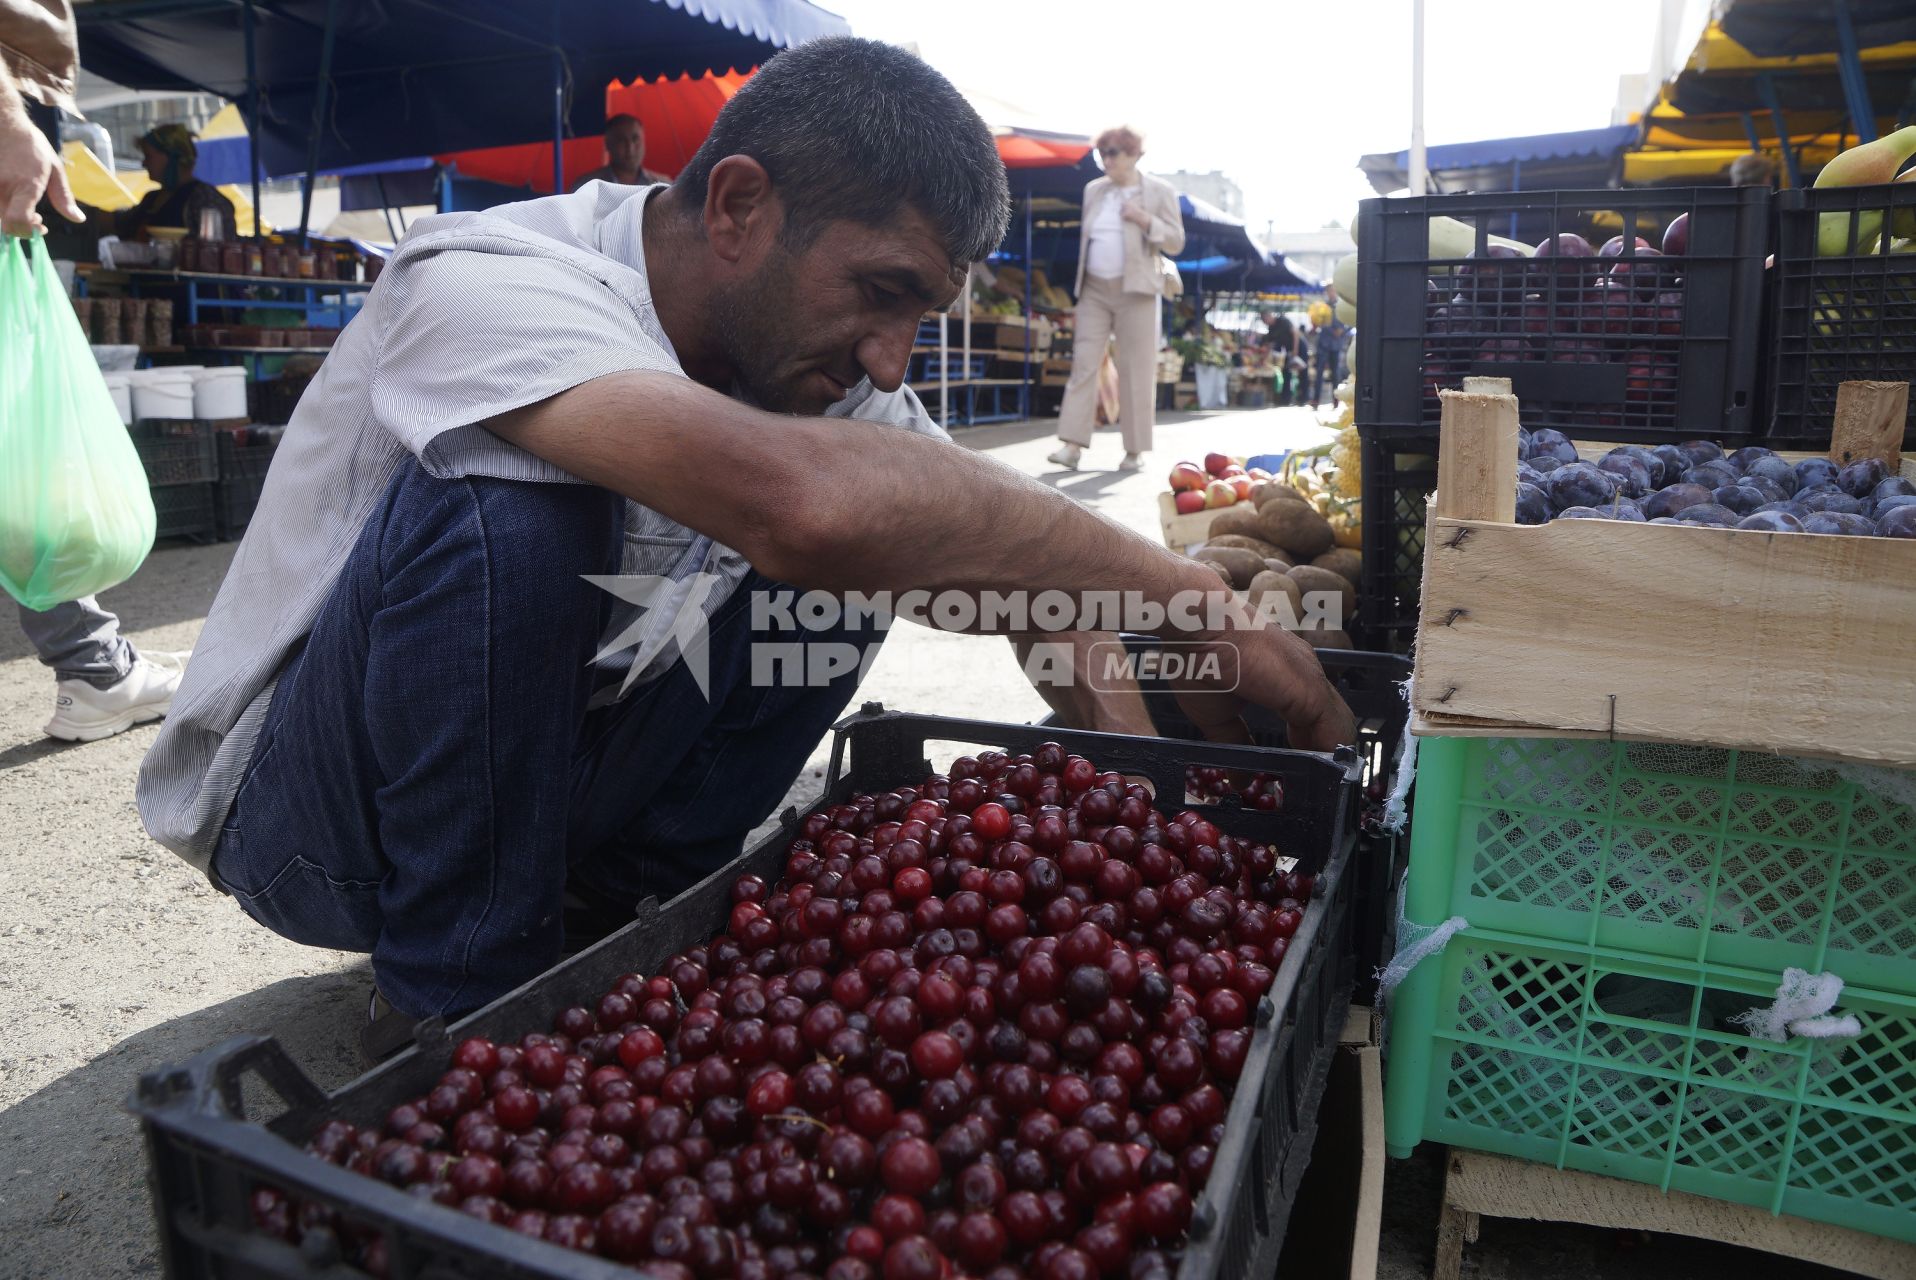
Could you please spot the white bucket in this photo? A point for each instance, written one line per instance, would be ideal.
(162, 393)
(120, 387)
(219, 393)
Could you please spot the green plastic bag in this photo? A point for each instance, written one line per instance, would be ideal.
(75, 513)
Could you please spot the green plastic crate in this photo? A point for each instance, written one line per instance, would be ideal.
(1625, 903)
(1689, 853)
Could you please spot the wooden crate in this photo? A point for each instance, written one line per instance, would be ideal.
(1182, 532)
(1798, 643)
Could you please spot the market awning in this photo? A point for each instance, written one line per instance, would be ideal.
(1789, 28)
(420, 77)
(1583, 158)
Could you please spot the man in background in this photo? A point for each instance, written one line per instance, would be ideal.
(104, 685)
(625, 156)
(1281, 334)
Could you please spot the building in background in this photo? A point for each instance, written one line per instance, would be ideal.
(1213, 188)
(1315, 252)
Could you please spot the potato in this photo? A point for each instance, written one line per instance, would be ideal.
(1240, 519)
(1276, 565)
(1345, 563)
(1327, 639)
(1269, 489)
(1296, 526)
(1271, 583)
(1242, 542)
(1221, 571)
(1239, 565)
(1309, 578)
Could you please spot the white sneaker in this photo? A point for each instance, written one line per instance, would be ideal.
(1132, 462)
(1067, 457)
(83, 713)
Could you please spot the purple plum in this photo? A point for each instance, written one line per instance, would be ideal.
(1862, 476)
(1893, 487)
(1659, 474)
(1771, 522)
(1701, 451)
(1533, 505)
(1672, 501)
(1749, 453)
(1773, 469)
(1770, 489)
(1740, 498)
(1840, 522)
(1830, 500)
(1814, 471)
(1898, 522)
(1581, 484)
(1675, 463)
(1548, 442)
(1545, 466)
(1709, 513)
(1886, 505)
(1712, 475)
(1631, 471)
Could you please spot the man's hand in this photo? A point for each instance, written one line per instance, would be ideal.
(29, 168)
(1270, 667)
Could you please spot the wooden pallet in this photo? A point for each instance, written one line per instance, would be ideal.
(1786, 642)
(1477, 1186)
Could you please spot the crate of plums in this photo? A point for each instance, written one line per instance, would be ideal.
(1616, 315)
(1683, 593)
(1043, 1012)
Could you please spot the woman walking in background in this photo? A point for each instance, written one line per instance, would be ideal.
(1130, 219)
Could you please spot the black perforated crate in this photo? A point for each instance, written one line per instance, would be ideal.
(1843, 315)
(175, 450)
(243, 459)
(1636, 347)
(1400, 474)
(185, 511)
(204, 1159)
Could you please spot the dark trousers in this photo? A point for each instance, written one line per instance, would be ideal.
(429, 781)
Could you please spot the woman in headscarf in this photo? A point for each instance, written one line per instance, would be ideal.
(169, 154)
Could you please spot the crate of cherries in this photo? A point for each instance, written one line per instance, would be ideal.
(1007, 1020)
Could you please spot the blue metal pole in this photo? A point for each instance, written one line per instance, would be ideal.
(321, 91)
(1028, 269)
(558, 122)
(1767, 87)
(1749, 131)
(252, 110)
(1849, 67)
(1516, 184)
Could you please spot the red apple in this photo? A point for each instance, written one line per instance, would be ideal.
(1216, 462)
(1258, 473)
(1240, 485)
(1189, 501)
(1231, 471)
(1219, 493)
(1186, 475)
(1676, 237)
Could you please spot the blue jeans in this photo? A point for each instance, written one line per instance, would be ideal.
(429, 781)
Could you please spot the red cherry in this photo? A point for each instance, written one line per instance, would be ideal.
(910, 1166)
(991, 821)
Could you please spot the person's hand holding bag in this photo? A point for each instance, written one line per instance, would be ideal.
(75, 513)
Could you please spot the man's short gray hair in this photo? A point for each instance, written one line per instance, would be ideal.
(858, 130)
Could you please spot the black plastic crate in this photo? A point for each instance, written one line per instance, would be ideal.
(1372, 685)
(175, 450)
(1640, 348)
(204, 1158)
(1848, 315)
(1400, 474)
(243, 459)
(274, 399)
(185, 511)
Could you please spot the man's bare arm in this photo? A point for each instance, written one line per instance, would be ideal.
(29, 167)
(845, 505)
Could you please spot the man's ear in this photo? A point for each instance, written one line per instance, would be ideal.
(742, 214)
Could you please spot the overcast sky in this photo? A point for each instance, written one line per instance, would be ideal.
(1282, 95)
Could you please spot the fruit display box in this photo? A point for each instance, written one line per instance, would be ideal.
(1789, 642)
(1627, 904)
(1641, 346)
(1182, 531)
(205, 1159)
(1843, 303)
